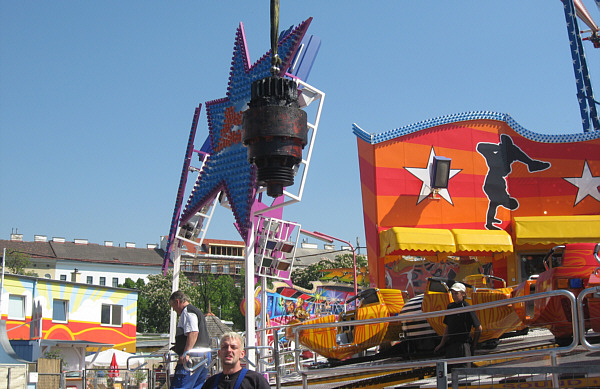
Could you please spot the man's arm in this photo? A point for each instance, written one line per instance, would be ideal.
(189, 344)
(443, 341)
(476, 335)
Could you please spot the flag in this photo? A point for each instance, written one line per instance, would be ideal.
(114, 367)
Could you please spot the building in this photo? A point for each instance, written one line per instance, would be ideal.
(44, 315)
(81, 261)
(214, 256)
(509, 195)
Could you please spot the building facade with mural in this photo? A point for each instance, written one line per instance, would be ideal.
(511, 195)
(43, 313)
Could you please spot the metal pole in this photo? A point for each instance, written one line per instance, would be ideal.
(441, 370)
(174, 288)
(2, 280)
(249, 295)
(263, 322)
(555, 381)
(276, 356)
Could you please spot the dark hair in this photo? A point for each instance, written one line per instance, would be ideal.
(179, 295)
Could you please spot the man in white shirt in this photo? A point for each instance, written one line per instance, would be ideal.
(191, 333)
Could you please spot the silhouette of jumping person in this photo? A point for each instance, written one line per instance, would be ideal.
(499, 159)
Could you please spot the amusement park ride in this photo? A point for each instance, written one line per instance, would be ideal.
(260, 141)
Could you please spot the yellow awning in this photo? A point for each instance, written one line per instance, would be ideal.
(482, 240)
(416, 239)
(557, 229)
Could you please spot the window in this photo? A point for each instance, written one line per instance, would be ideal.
(225, 269)
(63, 277)
(111, 315)
(115, 282)
(201, 268)
(60, 309)
(213, 268)
(102, 281)
(227, 250)
(238, 269)
(90, 280)
(16, 307)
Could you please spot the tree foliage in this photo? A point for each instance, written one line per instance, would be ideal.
(304, 277)
(221, 296)
(154, 311)
(209, 294)
(17, 262)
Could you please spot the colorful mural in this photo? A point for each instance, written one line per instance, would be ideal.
(286, 303)
(499, 171)
(410, 273)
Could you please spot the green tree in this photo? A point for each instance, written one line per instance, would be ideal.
(16, 262)
(222, 297)
(154, 309)
(304, 277)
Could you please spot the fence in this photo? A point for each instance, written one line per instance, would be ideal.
(119, 379)
(287, 361)
(577, 309)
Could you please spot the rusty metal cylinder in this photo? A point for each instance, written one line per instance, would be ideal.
(275, 131)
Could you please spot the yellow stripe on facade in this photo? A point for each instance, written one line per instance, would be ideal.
(131, 308)
(13, 286)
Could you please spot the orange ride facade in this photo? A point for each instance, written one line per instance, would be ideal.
(512, 194)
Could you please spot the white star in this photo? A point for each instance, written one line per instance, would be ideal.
(587, 185)
(424, 174)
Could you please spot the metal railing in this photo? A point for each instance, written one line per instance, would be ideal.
(580, 309)
(576, 320)
(527, 377)
(273, 360)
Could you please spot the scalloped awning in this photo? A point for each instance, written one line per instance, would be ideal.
(498, 241)
(416, 239)
(557, 229)
(436, 240)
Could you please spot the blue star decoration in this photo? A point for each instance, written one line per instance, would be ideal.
(227, 169)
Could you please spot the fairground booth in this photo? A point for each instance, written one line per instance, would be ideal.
(473, 193)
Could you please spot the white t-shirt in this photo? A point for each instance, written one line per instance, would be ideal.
(188, 321)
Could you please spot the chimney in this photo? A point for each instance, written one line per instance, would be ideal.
(16, 237)
(130, 245)
(163, 242)
(108, 243)
(75, 276)
(328, 246)
(58, 240)
(80, 241)
(151, 246)
(40, 238)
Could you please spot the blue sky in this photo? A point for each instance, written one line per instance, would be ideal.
(97, 98)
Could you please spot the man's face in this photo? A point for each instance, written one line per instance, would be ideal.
(230, 352)
(176, 305)
(457, 296)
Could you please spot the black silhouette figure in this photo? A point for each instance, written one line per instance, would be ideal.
(499, 159)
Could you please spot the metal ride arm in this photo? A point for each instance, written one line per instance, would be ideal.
(203, 354)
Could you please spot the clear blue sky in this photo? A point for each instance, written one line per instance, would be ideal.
(97, 98)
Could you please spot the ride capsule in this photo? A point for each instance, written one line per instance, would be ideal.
(275, 132)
